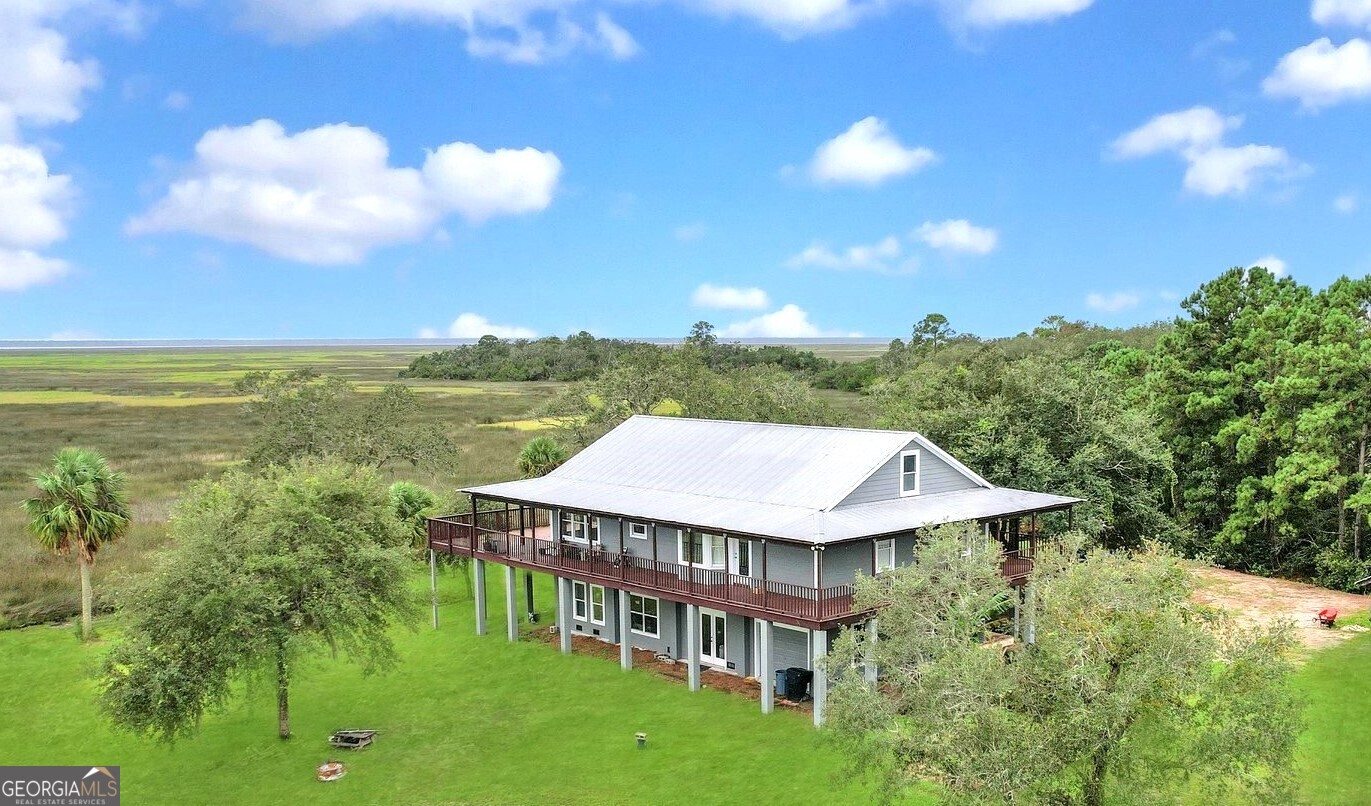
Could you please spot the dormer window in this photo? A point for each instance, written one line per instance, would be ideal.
(909, 472)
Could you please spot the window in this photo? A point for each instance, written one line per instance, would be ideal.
(587, 599)
(638, 530)
(597, 604)
(702, 549)
(642, 615)
(909, 473)
(885, 555)
(579, 600)
(580, 527)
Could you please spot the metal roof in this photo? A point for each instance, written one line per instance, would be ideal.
(765, 479)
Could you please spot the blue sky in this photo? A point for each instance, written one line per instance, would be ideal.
(393, 168)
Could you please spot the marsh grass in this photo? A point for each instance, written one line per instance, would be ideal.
(150, 414)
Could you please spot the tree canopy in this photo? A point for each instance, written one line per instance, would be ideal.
(1126, 687)
(265, 570)
(300, 414)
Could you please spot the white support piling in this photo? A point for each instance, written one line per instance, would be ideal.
(625, 632)
(480, 574)
(433, 584)
(511, 603)
(693, 647)
(564, 615)
(869, 670)
(767, 678)
(819, 685)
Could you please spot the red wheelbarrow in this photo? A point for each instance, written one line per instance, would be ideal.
(1327, 617)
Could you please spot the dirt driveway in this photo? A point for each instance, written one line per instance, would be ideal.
(1260, 600)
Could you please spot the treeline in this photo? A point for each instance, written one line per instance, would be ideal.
(1238, 432)
(583, 356)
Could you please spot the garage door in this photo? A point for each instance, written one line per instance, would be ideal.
(789, 647)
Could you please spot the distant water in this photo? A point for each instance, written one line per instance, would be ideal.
(408, 344)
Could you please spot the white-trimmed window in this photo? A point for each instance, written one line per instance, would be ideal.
(587, 600)
(702, 549)
(885, 555)
(909, 472)
(580, 527)
(642, 615)
(597, 604)
(638, 530)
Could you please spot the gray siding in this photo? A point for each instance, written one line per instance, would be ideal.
(842, 561)
(786, 562)
(935, 476)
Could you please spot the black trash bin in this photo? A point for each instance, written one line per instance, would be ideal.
(797, 683)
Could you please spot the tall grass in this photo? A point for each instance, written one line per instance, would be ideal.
(164, 448)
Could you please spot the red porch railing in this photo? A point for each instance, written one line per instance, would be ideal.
(496, 535)
(493, 538)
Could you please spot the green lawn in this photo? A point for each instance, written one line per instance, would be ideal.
(1333, 750)
(462, 720)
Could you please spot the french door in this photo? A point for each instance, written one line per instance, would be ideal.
(713, 637)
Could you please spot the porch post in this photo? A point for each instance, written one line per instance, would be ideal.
(564, 614)
(693, 646)
(767, 677)
(433, 584)
(1030, 631)
(511, 603)
(480, 595)
(625, 634)
(819, 686)
(528, 596)
(869, 670)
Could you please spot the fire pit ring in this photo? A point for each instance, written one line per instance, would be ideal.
(330, 771)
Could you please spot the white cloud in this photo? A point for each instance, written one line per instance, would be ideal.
(41, 84)
(1346, 203)
(1320, 74)
(1272, 264)
(483, 184)
(22, 268)
(880, 257)
(690, 232)
(1198, 126)
(958, 236)
(722, 296)
(620, 43)
(176, 100)
(866, 154)
(1000, 13)
(34, 201)
(1223, 171)
(523, 32)
(1356, 13)
(1213, 169)
(474, 326)
(790, 322)
(1113, 302)
(328, 195)
(35, 205)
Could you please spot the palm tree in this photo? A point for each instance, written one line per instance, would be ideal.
(412, 504)
(540, 456)
(81, 505)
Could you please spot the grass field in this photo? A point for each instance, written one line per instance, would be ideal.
(463, 720)
(168, 418)
(476, 720)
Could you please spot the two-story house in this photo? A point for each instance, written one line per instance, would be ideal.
(726, 544)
